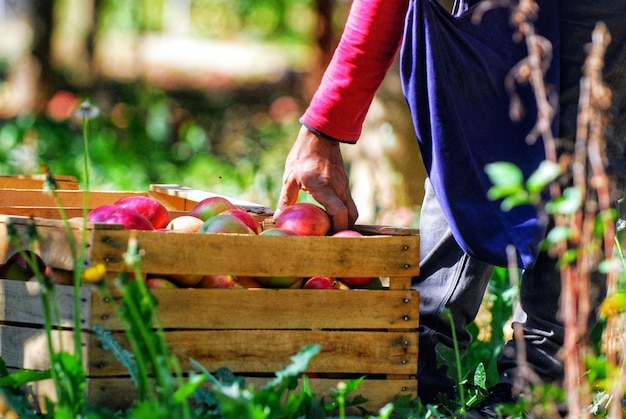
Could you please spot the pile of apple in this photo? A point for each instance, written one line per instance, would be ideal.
(218, 215)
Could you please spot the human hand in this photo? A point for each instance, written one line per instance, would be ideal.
(315, 165)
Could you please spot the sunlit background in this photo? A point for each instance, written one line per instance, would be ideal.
(202, 93)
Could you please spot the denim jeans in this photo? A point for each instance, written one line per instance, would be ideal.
(451, 279)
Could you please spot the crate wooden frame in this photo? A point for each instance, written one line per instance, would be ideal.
(369, 332)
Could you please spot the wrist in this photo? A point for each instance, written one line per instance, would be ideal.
(322, 135)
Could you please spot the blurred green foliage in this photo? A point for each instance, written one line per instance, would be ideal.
(147, 136)
(230, 142)
(267, 20)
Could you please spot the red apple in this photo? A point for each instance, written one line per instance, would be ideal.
(152, 209)
(279, 281)
(60, 276)
(247, 282)
(184, 224)
(160, 283)
(247, 218)
(17, 268)
(305, 219)
(324, 283)
(186, 280)
(347, 233)
(374, 284)
(114, 214)
(275, 231)
(210, 207)
(357, 281)
(353, 281)
(217, 281)
(225, 223)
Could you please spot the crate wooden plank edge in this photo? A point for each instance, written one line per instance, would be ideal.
(118, 393)
(195, 195)
(37, 181)
(242, 351)
(34, 199)
(308, 309)
(267, 351)
(392, 310)
(383, 256)
(20, 303)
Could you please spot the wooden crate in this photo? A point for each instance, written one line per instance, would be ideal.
(37, 181)
(34, 202)
(251, 332)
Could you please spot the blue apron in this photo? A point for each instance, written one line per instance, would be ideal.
(453, 75)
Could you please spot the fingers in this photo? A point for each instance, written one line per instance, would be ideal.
(335, 207)
(315, 165)
(338, 204)
(288, 196)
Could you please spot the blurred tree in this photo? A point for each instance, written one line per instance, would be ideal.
(41, 50)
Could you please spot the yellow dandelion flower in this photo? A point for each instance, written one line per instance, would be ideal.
(95, 273)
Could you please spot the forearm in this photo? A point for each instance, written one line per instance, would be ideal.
(368, 46)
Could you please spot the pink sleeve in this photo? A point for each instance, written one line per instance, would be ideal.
(367, 48)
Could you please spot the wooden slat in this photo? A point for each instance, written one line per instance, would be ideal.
(36, 198)
(196, 195)
(263, 255)
(52, 244)
(276, 309)
(267, 351)
(20, 302)
(24, 347)
(37, 182)
(41, 212)
(175, 253)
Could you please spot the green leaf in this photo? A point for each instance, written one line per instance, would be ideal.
(613, 304)
(546, 172)
(125, 357)
(498, 192)
(480, 376)
(24, 376)
(504, 174)
(568, 203)
(300, 362)
(71, 376)
(568, 257)
(187, 389)
(515, 200)
(558, 234)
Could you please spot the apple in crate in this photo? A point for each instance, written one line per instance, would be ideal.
(353, 281)
(152, 209)
(324, 283)
(247, 282)
(279, 281)
(305, 219)
(225, 223)
(186, 280)
(184, 224)
(160, 283)
(17, 268)
(114, 214)
(210, 207)
(217, 281)
(247, 218)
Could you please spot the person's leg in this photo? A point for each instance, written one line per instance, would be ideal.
(449, 279)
